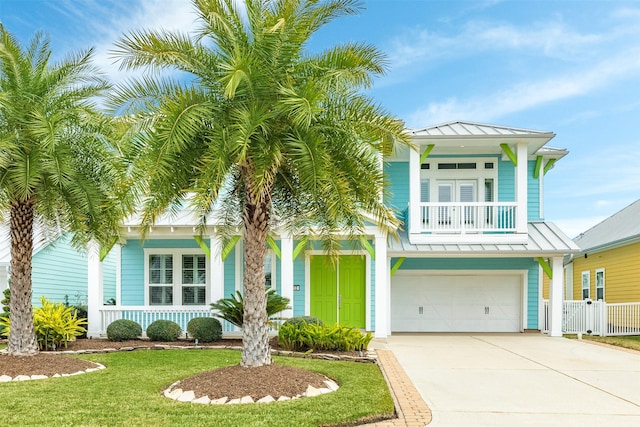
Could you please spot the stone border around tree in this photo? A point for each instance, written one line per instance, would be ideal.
(189, 396)
(7, 378)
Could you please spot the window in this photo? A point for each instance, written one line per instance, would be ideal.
(600, 284)
(586, 280)
(194, 272)
(176, 277)
(160, 279)
(268, 271)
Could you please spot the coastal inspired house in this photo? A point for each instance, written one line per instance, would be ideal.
(469, 257)
(607, 267)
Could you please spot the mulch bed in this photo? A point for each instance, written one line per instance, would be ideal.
(41, 364)
(231, 382)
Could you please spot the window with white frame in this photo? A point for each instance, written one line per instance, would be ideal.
(160, 279)
(600, 284)
(586, 283)
(176, 277)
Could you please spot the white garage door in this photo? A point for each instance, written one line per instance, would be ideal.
(427, 303)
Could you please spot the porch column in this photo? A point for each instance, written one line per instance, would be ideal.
(521, 188)
(217, 269)
(95, 294)
(286, 271)
(555, 298)
(414, 192)
(382, 325)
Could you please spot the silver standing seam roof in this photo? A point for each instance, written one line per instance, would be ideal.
(619, 228)
(471, 129)
(544, 239)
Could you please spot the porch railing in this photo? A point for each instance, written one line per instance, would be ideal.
(597, 318)
(144, 316)
(468, 217)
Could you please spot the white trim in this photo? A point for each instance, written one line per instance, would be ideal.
(555, 297)
(522, 210)
(541, 190)
(587, 274)
(286, 272)
(568, 280)
(601, 270)
(414, 190)
(216, 272)
(177, 284)
(307, 281)
(523, 274)
(95, 292)
(382, 303)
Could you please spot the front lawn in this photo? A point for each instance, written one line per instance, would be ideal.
(631, 342)
(128, 393)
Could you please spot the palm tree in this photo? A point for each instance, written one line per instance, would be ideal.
(56, 166)
(260, 128)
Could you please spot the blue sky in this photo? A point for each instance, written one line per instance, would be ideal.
(570, 67)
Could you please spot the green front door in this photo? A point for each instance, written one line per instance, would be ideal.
(337, 290)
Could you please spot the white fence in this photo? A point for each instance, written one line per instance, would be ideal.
(597, 318)
(144, 316)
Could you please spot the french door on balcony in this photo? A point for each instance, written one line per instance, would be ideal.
(460, 191)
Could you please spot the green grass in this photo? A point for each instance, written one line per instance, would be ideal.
(128, 393)
(631, 342)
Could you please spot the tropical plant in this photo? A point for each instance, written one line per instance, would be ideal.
(57, 166)
(54, 323)
(163, 330)
(265, 130)
(205, 329)
(5, 308)
(232, 309)
(318, 337)
(123, 330)
(303, 320)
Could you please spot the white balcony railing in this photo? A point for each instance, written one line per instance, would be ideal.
(463, 218)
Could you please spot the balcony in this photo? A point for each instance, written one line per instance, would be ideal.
(467, 218)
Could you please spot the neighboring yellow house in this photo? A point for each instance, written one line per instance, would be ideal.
(608, 266)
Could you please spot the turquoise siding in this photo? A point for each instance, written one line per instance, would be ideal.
(298, 280)
(59, 271)
(506, 181)
(133, 265)
(398, 179)
(462, 264)
(533, 194)
(230, 274)
(132, 276)
(109, 276)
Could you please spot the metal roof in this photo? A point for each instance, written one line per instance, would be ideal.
(544, 239)
(617, 229)
(470, 129)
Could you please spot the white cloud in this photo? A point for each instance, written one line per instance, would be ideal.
(526, 95)
(572, 227)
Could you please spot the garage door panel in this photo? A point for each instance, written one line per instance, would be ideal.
(456, 303)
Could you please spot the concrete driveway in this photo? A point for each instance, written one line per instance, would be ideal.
(521, 380)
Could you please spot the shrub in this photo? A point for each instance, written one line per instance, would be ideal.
(317, 337)
(163, 330)
(205, 329)
(54, 324)
(303, 320)
(123, 330)
(231, 309)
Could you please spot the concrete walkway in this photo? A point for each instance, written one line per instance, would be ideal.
(520, 379)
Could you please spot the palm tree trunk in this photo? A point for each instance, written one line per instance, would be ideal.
(22, 339)
(255, 329)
